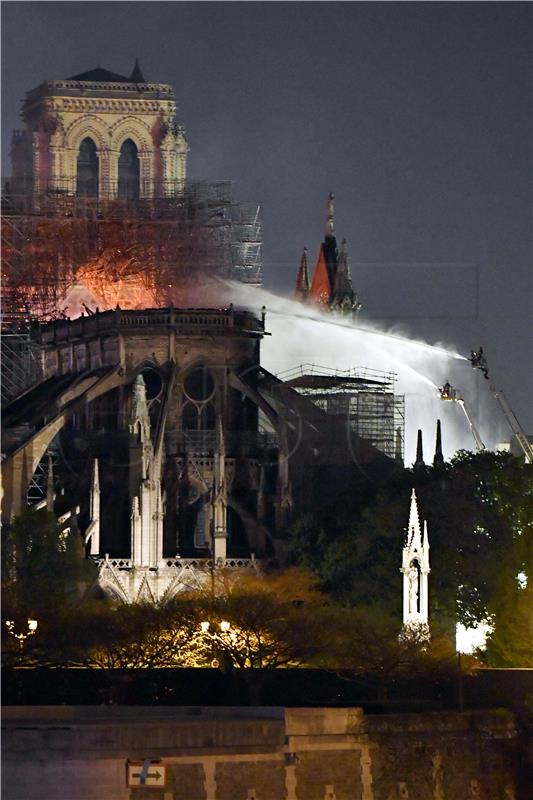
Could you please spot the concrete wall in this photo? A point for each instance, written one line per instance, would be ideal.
(81, 753)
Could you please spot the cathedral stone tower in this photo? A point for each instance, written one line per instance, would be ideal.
(331, 286)
(103, 135)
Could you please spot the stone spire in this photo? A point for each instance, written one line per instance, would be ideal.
(419, 462)
(329, 246)
(139, 418)
(140, 424)
(344, 298)
(438, 458)
(329, 230)
(136, 75)
(415, 569)
(343, 280)
(320, 291)
(413, 531)
(93, 531)
(302, 281)
(145, 485)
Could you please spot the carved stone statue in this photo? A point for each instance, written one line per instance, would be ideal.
(413, 590)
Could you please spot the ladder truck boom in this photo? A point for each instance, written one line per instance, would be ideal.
(449, 393)
(475, 433)
(515, 426)
(478, 361)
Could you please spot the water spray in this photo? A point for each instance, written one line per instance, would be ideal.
(302, 334)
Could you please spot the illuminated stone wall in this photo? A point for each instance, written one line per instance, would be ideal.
(60, 114)
(259, 754)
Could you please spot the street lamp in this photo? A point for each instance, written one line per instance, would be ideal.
(22, 635)
(217, 637)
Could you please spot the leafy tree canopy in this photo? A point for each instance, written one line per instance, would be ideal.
(479, 509)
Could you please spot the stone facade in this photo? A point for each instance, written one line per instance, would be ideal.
(61, 114)
(183, 453)
(173, 448)
(259, 754)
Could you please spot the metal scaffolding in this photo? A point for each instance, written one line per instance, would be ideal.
(53, 240)
(364, 397)
(136, 253)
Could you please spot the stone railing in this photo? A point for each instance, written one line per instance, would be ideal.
(146, 89)
(105, 322)
(116, 563)
(207, 563)
(187, 564)
(205, 441)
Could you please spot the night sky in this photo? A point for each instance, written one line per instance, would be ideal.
(417, 115)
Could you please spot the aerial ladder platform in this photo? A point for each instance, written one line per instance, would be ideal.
(447, 392)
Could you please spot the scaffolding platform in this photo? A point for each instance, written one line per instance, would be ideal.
(139, 252)
(363, 396)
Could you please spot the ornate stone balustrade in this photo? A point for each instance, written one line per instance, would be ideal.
(119, 321)
(187, 564)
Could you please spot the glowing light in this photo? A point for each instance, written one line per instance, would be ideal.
(521, 579)
(204, 626)
(23, 635)
(467, 640)
(225, 626)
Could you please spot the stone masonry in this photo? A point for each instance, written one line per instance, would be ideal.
(82, 753)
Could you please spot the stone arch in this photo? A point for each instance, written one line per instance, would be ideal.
(197, 362)
(139, 133)
(91, 127)
(132, 128)
(193, 516)
(87, 164)
(146, 367)
(129, 171)
(112, 591)
(19, 466)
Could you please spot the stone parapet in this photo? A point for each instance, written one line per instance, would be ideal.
(211, 753)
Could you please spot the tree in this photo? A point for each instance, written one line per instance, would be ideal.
(270, 621)
(479, 509)
(43, 567)
(510, 644)
(45, 573)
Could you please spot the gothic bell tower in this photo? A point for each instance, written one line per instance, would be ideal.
(102, 135)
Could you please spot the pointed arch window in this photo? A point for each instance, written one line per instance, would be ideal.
(190, 417)
(193, 519)
(87, 169)
(128, 171)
